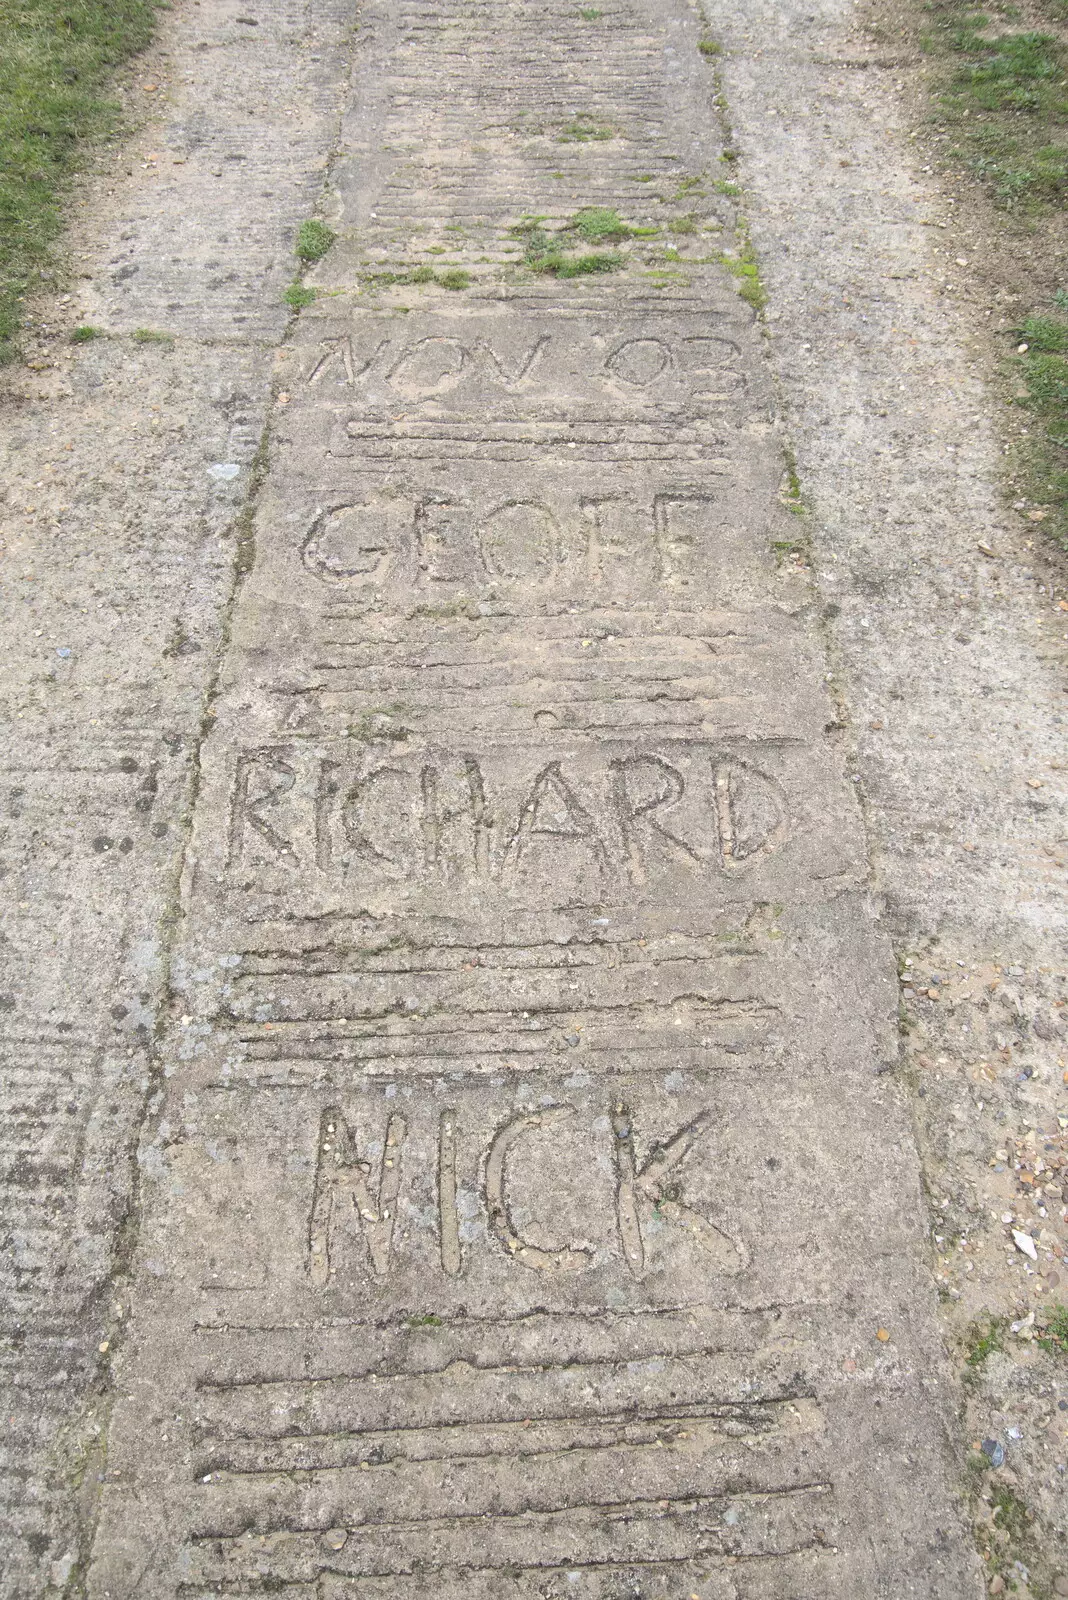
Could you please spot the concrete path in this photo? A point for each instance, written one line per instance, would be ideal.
(454, 1147)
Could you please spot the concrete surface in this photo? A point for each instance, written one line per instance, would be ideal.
(456, 1141)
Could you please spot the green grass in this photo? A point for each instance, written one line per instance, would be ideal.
(298, 296)
(151, 336)
(1054, 1340)
(590, 14)
(743, 267)
(1004, 96)
(999, 110)
(597, 223)
(314, 239)
(552, 255)
(454, 278)
(1040, 456)
(56, 58)
(984, 1339)
(583, 129)
(710, 47)
(85, 333)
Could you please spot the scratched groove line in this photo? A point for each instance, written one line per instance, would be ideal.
(462, 1573)
(620, 1508)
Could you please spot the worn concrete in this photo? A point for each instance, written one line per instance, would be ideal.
(524, 1203)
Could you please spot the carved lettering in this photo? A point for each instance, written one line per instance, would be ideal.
(446, 543)
(350, 544)
(351, 1201)
(567, 1258)
(679, 535)
(364, 803)
(552, 810)
(481, 817)
(429, 366)
(641, 786)
(523, 368)
(751, 811)
(357, 1192)
(631, 818)
(639, 361)
(654, 1188)
(261, 781)
(521, 539)
(341, 352)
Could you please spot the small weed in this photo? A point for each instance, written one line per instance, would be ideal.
(424, 1319)
(710, 47)
(419, 275)
(583, 129)
(790, 492)
(151, 336)
(454, 278)
(597, 223)
(298, 296)
(984, 1339)
(314, 239)
(724, 186)
(83, 334)
(559, 265)
(694, 184)
(590, 14)
(730, 155)
(642, 177)
(687, 224)
(1013, 1514)
(1054, 1340)
(743, 267)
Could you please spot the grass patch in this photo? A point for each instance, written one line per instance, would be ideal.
(151, 336)
(56, 57)
(85, 333)
(552, 254)
(743, 267)
(298, 296)
(1040, 458)
(984, 1339)
(451, 278)
(454, 278)
(710, 47)
(1005, 97)
(999, 110)
(600, 223)
(590, 14)
(1054, 1338)
(314, 239)
(584, 129)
